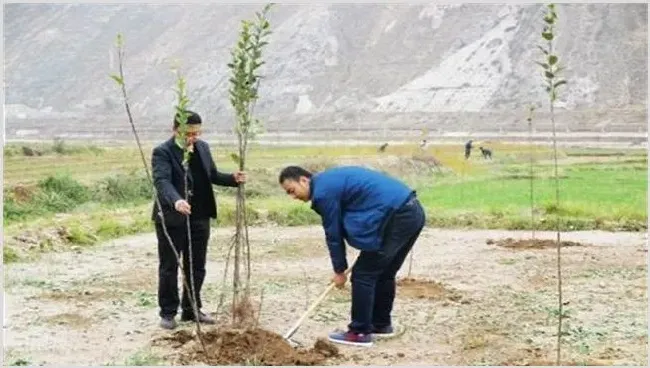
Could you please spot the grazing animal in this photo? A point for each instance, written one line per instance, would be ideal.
(487, 153)
(382, 148)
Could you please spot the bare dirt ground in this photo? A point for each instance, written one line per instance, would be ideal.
(466, 302)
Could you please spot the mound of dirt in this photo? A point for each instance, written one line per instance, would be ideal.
(421, 163)
(22, 193)
(415, 164)
(427, 289)
(53, 237)
(245, 347)
(511, 243)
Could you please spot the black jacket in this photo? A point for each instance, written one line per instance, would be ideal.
(168, 178)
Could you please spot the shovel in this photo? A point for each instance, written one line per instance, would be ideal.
(290, 332)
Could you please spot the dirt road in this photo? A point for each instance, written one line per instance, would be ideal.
(485, 304)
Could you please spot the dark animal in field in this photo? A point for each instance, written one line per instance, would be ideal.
(382, 148)
(487, 153)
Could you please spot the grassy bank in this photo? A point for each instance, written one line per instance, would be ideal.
(79, 196)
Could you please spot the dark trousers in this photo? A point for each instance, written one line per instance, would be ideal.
(373, 274)
(168, 300)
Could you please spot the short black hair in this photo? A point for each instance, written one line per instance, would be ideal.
(192, 118)
(293, 173)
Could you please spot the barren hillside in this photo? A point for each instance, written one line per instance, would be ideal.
(451, 68)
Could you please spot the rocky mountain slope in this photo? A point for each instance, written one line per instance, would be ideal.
(335, 67)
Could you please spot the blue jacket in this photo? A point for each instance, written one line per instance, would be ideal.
(355, 204)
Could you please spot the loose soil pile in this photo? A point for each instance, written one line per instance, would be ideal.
(53, 238)
(417, 164)
(532, 243)
(427, 289)
(22, 193)
(246, 347)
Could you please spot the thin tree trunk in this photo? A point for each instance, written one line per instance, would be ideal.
(559, 244)
(532, 179)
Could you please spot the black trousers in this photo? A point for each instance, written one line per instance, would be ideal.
(168, 299)
(373, 274)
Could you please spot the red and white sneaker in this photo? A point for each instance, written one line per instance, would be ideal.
(351, 338)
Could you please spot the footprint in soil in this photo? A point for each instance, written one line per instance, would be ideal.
(361, 359)
(511, 243)
(428, 289)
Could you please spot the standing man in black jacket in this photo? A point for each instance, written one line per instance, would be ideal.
(169, 180)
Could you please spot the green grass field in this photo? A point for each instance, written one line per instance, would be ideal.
(585, 192)
(86, 194)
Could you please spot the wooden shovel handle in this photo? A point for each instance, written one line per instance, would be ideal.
(312, 307)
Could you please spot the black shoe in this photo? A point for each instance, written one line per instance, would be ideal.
(168, 323)
(203, 318)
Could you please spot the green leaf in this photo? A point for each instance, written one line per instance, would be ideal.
(547, 36)
(559, 83)
(542, 49)
(543, 65)
(549, 75)
(552, 59)
(117, 79)
(234, 157)
(119, 41)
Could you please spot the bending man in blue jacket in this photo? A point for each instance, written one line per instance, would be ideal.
(374, 213)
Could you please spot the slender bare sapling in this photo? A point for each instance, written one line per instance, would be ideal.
(531, 110)
(182, 116)
(120, 80)
(552, 69)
